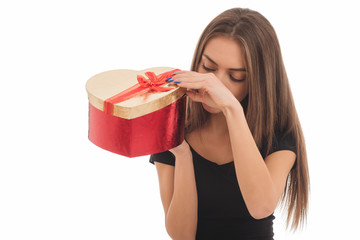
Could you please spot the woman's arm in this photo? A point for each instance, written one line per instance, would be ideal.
(261, 182)
(179, 194)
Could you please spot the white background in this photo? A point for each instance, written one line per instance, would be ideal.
(55, 184)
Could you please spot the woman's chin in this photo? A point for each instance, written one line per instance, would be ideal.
(210, 109)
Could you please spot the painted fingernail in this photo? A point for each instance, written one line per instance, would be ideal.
(176, 72)
(168, 79)
(177, 82)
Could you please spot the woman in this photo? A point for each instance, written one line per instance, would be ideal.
(244, 149)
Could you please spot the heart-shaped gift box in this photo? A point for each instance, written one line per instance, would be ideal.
(136, 113)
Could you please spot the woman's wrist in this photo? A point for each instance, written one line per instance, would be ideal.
(184, 157)
(185, 153)
(231, 106)
(181, 151)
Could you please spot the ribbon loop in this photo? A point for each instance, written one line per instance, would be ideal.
(152, 84)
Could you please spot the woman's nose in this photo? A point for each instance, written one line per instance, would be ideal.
(220, 75)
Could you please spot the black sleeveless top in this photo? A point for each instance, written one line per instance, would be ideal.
(222, 213)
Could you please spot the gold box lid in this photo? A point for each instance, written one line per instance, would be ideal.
(107, 84)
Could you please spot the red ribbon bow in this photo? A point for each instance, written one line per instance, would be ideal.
(153, 84)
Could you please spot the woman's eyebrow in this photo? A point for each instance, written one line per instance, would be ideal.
(231, 69)
(210, 59)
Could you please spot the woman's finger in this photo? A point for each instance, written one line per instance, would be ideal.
(195, 96)
(193, 85)
(188, 75)
(190, 79)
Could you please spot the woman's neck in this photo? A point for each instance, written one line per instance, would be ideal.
(217, 126)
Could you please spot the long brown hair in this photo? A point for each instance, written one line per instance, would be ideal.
(269, 106)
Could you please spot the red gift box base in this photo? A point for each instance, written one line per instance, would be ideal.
(152, 133)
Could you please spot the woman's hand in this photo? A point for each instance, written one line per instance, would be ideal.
(212, 91)
(180, 150)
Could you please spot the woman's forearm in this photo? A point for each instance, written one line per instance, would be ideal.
(253, 176)
(181, 218)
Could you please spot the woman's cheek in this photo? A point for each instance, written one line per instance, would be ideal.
(239, 92)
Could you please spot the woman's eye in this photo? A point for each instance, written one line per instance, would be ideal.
(237, 80)
(213, 70)
(207, 69)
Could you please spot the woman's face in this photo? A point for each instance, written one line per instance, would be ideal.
(226, 59)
